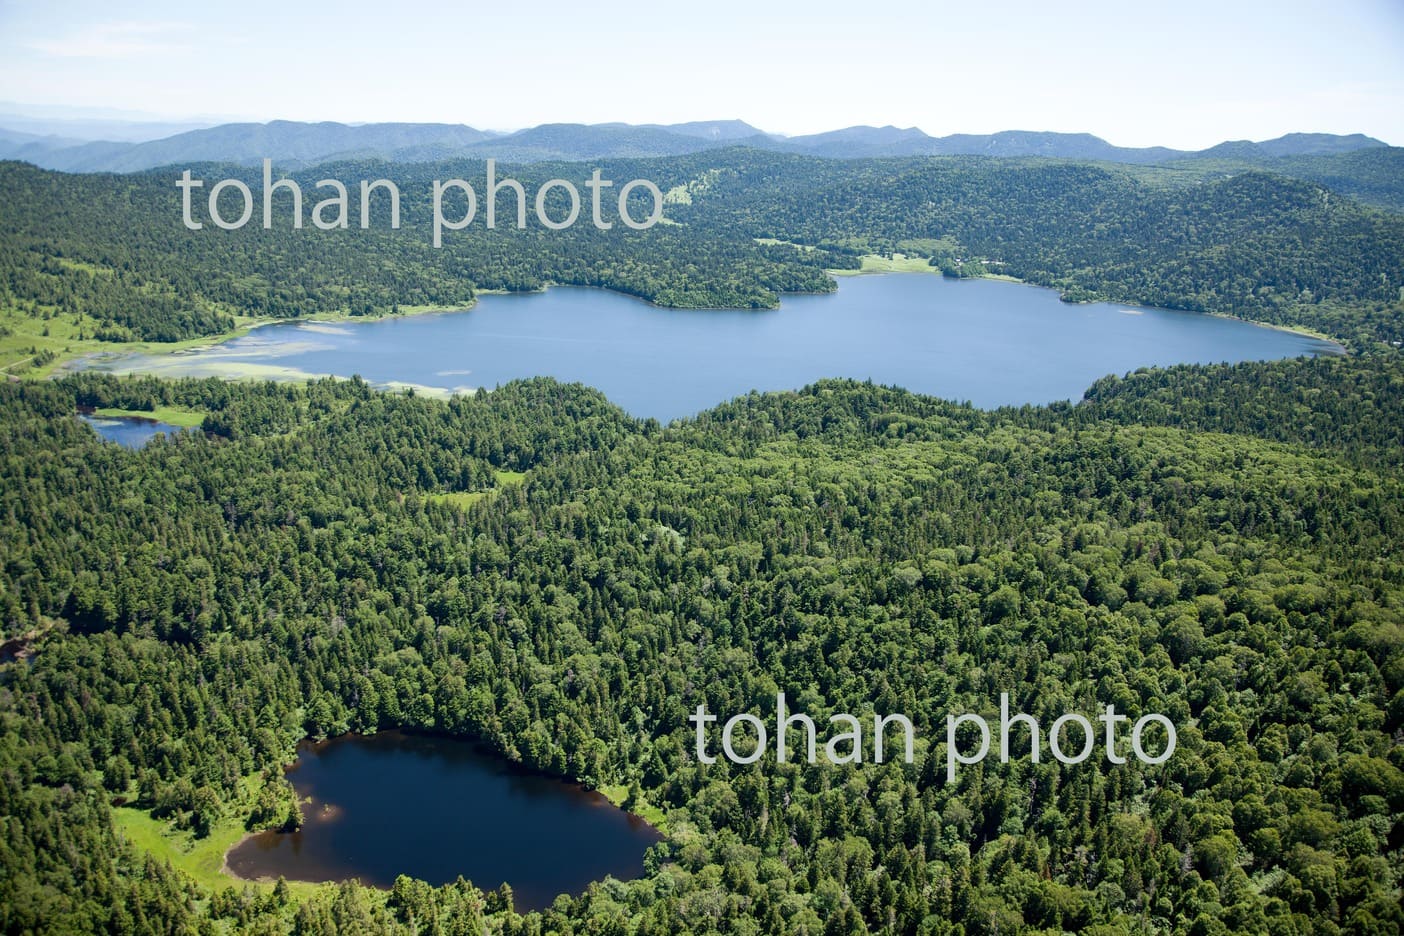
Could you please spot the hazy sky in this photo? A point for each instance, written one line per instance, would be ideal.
(1185, 74)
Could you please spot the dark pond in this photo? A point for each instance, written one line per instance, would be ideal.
(436, 808)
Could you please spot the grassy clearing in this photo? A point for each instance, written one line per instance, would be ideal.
(26, 337)
(202, 859)
(772, 241)
(188, 419)
(23, 334)
(683, 194)
(465, 499)
(645, 810)
(897, 263)
(402, 310)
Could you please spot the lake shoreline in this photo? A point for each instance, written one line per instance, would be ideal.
(940, 336)
(229, 872)
(82, 360)
(76, 361)
(884, 266)
(343, 782)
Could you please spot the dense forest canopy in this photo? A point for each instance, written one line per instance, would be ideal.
(534, 569)
(1251, 244)
(110, 254)
(1220, 544)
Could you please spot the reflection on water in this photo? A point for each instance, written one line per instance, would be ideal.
(437, 808)
(989, 342)
(130, 431)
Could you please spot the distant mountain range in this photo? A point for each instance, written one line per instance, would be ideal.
(1357, 165)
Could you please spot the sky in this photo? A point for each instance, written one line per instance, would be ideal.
(1184, 74)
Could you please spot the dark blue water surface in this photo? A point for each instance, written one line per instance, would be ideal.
(989, 342)
(436, 808)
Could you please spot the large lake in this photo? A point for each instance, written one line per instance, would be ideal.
(436, 808)
(989, 342)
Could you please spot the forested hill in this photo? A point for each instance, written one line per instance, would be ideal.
(1251, 244)
(330, 558)
(1325, 404)
(114, 250)
(109, 257)
(1373, 175)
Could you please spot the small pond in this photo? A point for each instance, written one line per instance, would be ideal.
(131, 431)
(435, 808)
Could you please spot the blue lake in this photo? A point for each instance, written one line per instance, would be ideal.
(129, 431)
(988, 342)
